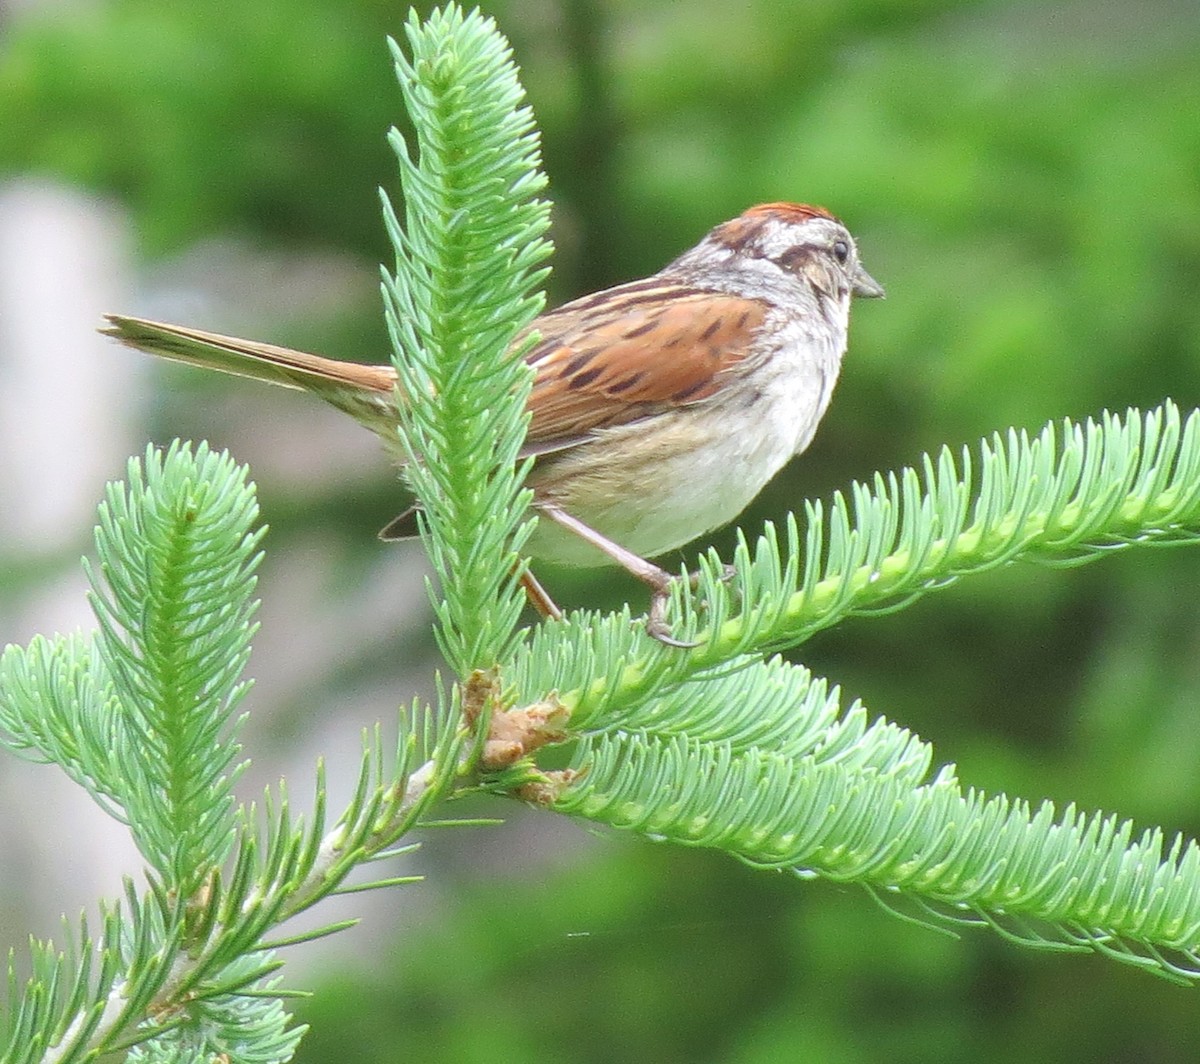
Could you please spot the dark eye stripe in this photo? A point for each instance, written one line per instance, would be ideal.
(795, 257)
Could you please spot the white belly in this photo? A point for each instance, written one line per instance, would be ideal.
(658, 484)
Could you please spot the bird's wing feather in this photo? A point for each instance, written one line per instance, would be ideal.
(630, 352)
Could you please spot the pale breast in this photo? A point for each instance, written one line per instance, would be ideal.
(656, 485)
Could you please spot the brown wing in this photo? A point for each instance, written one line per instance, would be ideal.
(618, 356)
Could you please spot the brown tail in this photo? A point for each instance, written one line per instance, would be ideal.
(365, 392)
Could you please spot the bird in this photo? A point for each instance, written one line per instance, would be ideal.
(660, 407)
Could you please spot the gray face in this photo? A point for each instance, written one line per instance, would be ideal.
(823, 250)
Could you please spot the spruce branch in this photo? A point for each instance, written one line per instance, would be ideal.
(55, 708)
(1071, 494)
(711, 746)
(143, 714)
(1068, 881)
(465, 284)
(173, 598)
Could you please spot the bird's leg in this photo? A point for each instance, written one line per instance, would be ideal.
(405, 527)
(659, 580)
(539, 598)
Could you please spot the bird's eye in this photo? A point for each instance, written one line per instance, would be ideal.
(841, 250)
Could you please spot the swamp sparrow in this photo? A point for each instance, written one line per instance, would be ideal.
(660, 408)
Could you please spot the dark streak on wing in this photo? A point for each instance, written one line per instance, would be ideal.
(578, 362)
(623, 386)
(582, 380)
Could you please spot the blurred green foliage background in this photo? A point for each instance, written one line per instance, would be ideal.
(1023, 176)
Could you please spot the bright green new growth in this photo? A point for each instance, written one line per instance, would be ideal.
(1071, 494)
(176, 656)
(715, 748)
(466, 282)
(712, 746)
(142, 714)
(850, 802)
(143, 717)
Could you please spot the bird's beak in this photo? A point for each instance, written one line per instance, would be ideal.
(866, 286)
